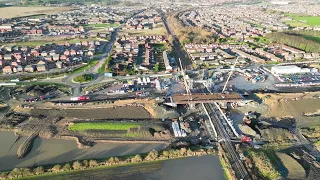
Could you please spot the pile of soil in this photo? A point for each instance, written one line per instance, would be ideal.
(37, 90)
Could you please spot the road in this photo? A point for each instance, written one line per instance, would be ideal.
(99, 78)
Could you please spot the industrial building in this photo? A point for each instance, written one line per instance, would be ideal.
(291, 69)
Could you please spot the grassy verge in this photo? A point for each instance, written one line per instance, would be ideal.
(41, 83)
(266, 162)
(102, 126)
(225, 167)
(84, 78)
(102, 68)
(102, 25)
(86, 67)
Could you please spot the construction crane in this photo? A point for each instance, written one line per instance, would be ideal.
(184, 79)
(224, 87)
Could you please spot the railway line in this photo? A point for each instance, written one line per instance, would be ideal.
(235, 161)
(216, 121)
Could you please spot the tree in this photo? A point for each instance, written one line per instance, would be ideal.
(189, 152)
(156, 67)
(77, 165)
(39, 170)
(152, 155)
(66, 167)
(85, 163)
(136, 158)
(183, 151)
(93, 163)
(56, 168)
(165, 154)
(111, 160)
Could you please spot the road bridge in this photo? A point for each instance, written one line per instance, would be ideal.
(205, 98)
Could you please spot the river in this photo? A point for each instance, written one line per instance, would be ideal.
(51, 151)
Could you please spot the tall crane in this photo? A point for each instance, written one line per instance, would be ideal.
(225, 85)
(184, 79)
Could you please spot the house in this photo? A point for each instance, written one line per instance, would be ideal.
(63, 57)
(41, 68)
(90, 53)
(29, 68)
(19, 68)
(59, 64)
(48, 58)
(7, 57)
(55, 57)
(166, 61)
(7, 70)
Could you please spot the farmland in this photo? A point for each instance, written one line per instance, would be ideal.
(159, 30)
(126, 112)
(299, 20)
(10, 12)
(102, 126)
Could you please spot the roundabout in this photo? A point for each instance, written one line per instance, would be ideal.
(84, 78)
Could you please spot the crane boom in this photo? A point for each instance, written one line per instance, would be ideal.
(225, 85)
(184, 79)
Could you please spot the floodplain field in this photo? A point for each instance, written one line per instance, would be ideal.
(205, 167)
(11, 12)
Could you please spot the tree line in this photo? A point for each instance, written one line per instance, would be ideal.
(190, 34)
(304, 40)
(112, 161)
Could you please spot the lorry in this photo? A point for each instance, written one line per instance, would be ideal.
(80, 98)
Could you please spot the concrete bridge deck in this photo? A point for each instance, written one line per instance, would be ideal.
(205, 98)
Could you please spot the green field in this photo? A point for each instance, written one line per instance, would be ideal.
(101, 25)
(102, 126)
(295, 23)
(305, 21)
(50, 41)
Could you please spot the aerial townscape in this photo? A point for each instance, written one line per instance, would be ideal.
(167, 89)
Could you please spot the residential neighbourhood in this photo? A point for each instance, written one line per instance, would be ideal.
(166, 89)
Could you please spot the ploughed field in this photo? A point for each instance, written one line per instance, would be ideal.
(127, 112)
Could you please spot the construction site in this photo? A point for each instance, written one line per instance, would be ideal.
(177, 110)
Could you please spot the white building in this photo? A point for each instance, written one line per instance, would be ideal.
(166, 61)
(291, 69)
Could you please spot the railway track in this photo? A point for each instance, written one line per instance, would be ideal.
(213, 111)
(236, 163)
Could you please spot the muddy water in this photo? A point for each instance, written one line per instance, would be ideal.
(51, 151)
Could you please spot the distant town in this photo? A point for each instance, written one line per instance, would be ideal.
(225, 89)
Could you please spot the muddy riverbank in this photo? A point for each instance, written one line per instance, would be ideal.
(51, 151)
